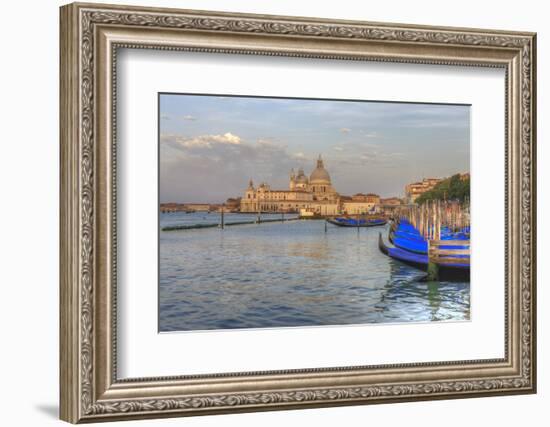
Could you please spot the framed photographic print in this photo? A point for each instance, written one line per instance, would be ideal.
(265, 212)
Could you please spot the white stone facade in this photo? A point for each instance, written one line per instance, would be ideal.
(314, 194)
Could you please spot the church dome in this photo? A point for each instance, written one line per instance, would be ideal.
(320, 174)
(301, 178)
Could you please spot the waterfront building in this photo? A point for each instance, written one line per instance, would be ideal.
(314, 194)
(391, 201)
(185, 207)
(360, 203)
(198, 207)
(233, 204)
(172, 207)
(416, 189)
(390, 205)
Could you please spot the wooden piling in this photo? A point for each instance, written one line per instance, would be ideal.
(433, 267)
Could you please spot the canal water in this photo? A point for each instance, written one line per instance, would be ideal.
(293, 273)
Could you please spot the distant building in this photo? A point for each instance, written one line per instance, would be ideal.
(186, 207)
(361, 204)
(391, 201)
(414, 190)
(199, 207)
(390, 205)
(172, 207)
(233, 204)
(368, 198)
(314, 194)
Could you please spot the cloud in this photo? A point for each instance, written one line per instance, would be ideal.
(345, 130)
(165, 117)
(189, 117)
(213, 167)
(370, 134)
(382, 158)
(368, 156)
(228, 138)
(337, 148)
(206, 141)
(266, 140)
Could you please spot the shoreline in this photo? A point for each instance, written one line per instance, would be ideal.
(227, 224)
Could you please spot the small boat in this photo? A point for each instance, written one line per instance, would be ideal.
(448, 271)
(359, 222)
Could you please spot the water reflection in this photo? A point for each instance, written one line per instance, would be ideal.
(293, 274)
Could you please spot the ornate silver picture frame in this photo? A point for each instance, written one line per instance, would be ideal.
(91, 36)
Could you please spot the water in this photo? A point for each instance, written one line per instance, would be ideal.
(291, 274)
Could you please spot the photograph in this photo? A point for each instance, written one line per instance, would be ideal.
(292, 212)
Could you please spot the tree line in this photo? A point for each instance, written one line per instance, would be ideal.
(453, 188)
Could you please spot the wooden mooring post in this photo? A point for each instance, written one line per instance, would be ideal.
(433, 267)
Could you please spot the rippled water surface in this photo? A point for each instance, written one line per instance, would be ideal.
(291, 274)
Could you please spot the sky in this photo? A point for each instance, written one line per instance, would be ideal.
(211, 146)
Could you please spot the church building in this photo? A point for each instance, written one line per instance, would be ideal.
(314, 194)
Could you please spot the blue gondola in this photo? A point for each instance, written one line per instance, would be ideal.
(407, 237)
(360, 222)
(454, 271)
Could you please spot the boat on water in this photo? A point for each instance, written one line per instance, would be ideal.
(406, 236)
(459, 269)
(357, 222)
